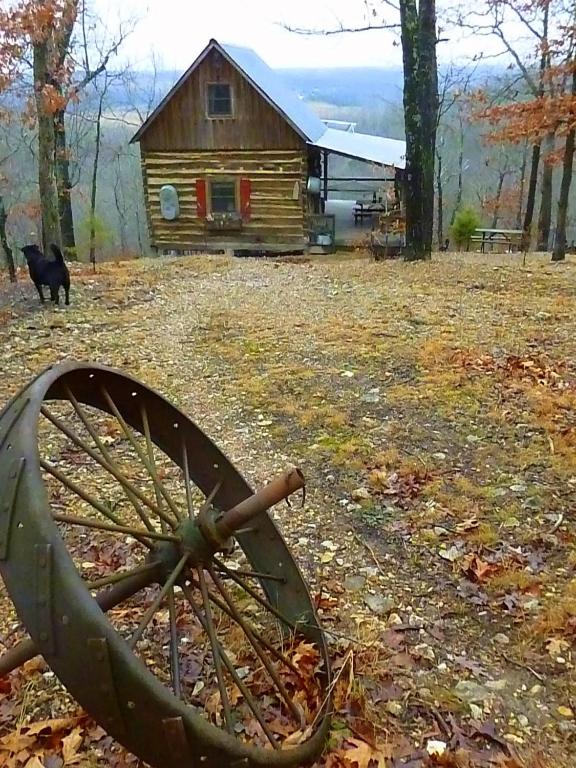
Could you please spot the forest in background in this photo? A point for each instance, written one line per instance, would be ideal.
(488, 176)
(471, 173)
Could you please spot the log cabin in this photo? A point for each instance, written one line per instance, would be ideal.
(233, 160)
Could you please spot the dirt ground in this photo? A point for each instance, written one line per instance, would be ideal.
(432, 409)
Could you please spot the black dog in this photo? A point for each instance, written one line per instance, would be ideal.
(43, 271)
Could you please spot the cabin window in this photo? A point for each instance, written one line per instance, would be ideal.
(223, 197)
(219, 100)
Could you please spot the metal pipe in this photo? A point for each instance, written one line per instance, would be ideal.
(280, 488)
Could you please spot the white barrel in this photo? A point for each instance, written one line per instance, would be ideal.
(314, 185)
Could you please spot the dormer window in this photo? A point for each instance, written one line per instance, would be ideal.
(219, 100)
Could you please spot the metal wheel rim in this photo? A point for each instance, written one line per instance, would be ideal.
(130, 703)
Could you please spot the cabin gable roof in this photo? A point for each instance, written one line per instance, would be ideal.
(263, 79)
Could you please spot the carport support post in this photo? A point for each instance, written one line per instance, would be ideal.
(325, 178)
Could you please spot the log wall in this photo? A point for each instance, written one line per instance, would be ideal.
(277, 220)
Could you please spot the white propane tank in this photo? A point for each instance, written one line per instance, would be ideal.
(314, 185)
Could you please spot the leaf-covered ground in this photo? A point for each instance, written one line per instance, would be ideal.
(432, 408)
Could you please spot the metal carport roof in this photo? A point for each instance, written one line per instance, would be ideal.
(361, 146)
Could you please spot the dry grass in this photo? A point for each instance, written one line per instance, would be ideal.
(445, 391)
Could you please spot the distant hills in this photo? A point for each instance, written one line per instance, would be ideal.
(346, 87)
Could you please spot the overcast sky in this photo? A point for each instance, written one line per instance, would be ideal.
(177, 30)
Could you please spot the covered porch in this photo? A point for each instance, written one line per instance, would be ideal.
(361, 189)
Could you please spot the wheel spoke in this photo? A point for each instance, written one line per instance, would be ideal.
(296, 713)
(215, 650)
(253, 574)
(114, 578)
(106, 455)
(210, 498)
(264, 603)
(87, 497)
(139, 452)
(159, 487)
(88, 522)
(174, 665)
(111, 468)
(249, 699)
(147, 618)
(187, 481)
(261, 639)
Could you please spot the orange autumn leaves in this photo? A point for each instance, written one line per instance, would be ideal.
(27, 23)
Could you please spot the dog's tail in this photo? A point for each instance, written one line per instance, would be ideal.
(57, 253)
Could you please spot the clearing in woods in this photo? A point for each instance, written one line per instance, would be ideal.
(432, 410)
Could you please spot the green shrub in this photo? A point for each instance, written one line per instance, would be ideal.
(465, 223)
(102, 233)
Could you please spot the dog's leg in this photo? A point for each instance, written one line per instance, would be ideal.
(67, 292)
(55, 294)
(39, 289)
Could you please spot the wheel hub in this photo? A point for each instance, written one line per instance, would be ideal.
(199, 538)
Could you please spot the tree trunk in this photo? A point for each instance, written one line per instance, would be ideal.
(46, 150)
(522, 185)
(545, 216)
(94, 186)
(496, 215)
(440, 201)
(418, 33)
(458, 201)
(535, 162)
(64, 186)
(559, 252)
(428, 81)
(531, 198)
(4, 240)
(121, 218)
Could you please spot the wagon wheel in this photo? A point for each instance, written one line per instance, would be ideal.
(118, 518)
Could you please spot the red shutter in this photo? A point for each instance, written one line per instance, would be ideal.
(245, 189)
(201, 198)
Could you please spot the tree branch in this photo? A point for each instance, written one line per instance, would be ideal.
(340, 30)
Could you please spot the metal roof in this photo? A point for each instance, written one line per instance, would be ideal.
(271, 86)
(297, 113)
(361, 146)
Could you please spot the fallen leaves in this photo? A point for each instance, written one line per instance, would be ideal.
(457, 433)
(57, 737)
(70, 746)
(477, 569)
(365, 755)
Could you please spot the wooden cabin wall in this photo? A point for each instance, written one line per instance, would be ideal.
(183, 125)
(277, 219)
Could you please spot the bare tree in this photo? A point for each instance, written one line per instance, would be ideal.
(418, 34)
(81, 51)
(46, 142)
(502, 19)
(94, 185)
(4, 240)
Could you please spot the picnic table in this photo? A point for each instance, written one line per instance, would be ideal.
(367, 208)
(495, 236)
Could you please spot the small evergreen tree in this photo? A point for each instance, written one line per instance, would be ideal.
(465, 224)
